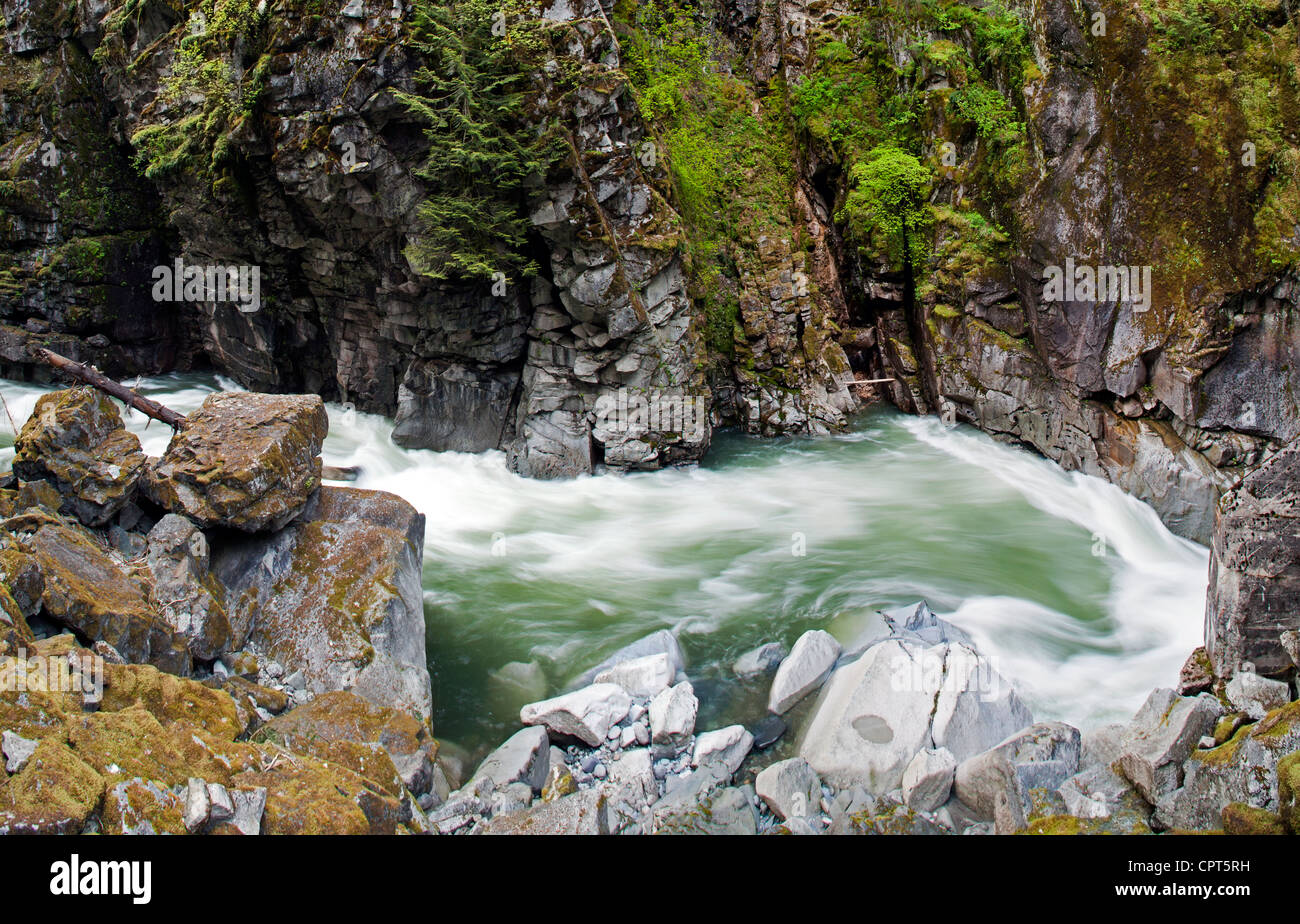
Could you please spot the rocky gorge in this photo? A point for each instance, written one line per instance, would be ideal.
(778, 212)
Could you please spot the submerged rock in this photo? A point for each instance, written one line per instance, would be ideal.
(75, 440)
(762, 660)
(245, 461)
(661, 642)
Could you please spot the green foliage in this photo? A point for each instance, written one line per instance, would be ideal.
(470, 96)
(205, 66)
(728, 154)
(888, 204)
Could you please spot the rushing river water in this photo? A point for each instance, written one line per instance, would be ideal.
(1078, 592)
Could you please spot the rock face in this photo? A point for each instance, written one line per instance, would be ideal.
(244, 461)
(76, 441)
(1255, 569)
(877, 712)
(336, 596)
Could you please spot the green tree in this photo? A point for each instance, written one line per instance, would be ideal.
(470, 97)
(887, 208)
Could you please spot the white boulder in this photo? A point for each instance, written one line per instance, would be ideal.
(586, 714)
(806, 668)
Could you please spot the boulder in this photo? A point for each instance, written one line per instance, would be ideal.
(178, 560)
(762, 660)
(805, 669)
(927, 780)
(1245, 770)
(1291, 645)
(1239, 818)
(93, 592)
(1161, 736)
(998, 784)
(337, 597)
(725, 747)
(17, 751)
(586, 714)
(661, 642)
(642, 678)
(55, 793)
(75, 440)
(704, 804)
(672, 720)
(898, 698)
(140, 806)
(790, 788)
(525, 757)
(885, 816)
(1197, 674)
(245, 461)
(1254, 695)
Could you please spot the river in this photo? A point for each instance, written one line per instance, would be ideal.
(1078, 593)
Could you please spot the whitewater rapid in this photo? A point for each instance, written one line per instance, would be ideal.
(1077, 592)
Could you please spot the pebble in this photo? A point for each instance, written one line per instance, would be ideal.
(589, 763)
(599, 772)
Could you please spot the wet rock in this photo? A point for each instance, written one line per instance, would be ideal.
(998, 784)
(928, 778)
(1161, 736)
(244, 460)
(767, 731)
(727, 747)
(790, 788)
(524, 757)
(672, 719)
(586, 714)
(642, 678)
(75, 439)
(188, 599)
(762, 660)
(1254, 695)
(336, 597)
(805, 669)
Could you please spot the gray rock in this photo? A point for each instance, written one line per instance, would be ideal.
(1102, 746)
(1242, 770)
(249, 806)
(1097, 792)
(198, 805)
(1161, 736)
(927, 781)
(790, 788)
(178, 560)
(726, 747)
(898, 698)
(523, 758)
(1255, 695)
(586, 714)
(661, 642)
(998, 784)
(761, 660)
(704, 805)
(221, 807)
(672, 719)
(585, 812)
(17, 750)
(642, 678)
(805, 669)
(1290, 641)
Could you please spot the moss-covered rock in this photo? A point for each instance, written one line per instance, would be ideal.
(169, 699)
(89, 589)
(75, 439)
(305, 795)
(245, 461)
(139, 806)
(55, 793)
(1288, 791)
(1239, 818)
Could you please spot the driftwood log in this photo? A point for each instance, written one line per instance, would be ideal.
(92, 376)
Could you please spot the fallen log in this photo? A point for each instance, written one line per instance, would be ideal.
(92, 376)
